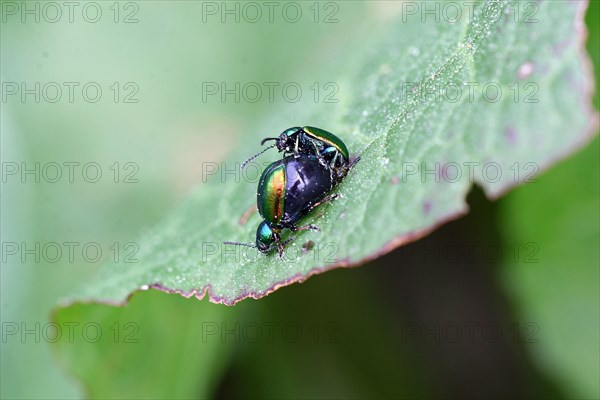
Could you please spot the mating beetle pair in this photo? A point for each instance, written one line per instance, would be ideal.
(314, 162)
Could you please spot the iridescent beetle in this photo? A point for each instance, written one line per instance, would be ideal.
(288, 190)
(329, 149)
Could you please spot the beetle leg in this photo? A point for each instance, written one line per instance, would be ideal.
(332, 165)
(319, 156)
(279, 244)
(305, 228)
(325, 200)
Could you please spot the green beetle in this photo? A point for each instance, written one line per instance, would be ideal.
(327, 147)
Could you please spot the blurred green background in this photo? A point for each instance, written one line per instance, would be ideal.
(347, 333)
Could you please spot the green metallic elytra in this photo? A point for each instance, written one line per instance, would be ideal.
(271, 194)
(328, 138)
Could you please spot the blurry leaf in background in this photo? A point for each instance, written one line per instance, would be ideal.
(553, 224)
(327, 344)
(156, 347)
(592, 20)
(25, 298)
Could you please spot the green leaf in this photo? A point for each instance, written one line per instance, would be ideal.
(555, 286)
(24, 351)
(102, 340)
(387, 115)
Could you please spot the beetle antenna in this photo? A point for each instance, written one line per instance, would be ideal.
(241, 244)
(267, 139)
(254, 156)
